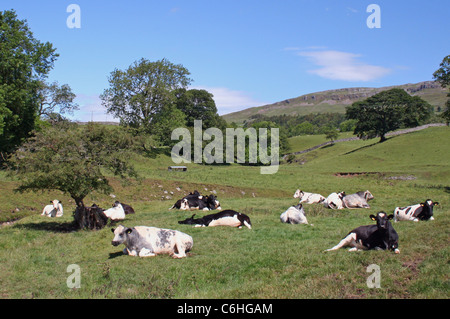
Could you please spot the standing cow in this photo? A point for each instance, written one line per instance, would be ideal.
(146, 241)
(422, 211)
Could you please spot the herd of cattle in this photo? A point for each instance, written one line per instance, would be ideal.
(146, 241)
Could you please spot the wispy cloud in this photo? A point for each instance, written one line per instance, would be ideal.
(345, 66)
(228, 101)
(91, 109)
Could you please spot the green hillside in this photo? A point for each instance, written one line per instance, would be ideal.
(272, 260)
(337, 100)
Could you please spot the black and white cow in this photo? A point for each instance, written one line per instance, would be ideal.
(381, 236)
(146, 241)
(334, 201)
(294, 215)
(357, 200)
(308, 198)
(127, 208)
(224, 218)
(422, 211)
(196, 201)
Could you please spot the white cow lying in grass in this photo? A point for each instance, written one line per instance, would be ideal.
(308, 198)
(116, 212)
(53, 210)
(146, 241)
(294, 215)
(334, 201)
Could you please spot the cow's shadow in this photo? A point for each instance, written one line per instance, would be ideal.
(115, 255)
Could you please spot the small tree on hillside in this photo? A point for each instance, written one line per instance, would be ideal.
(73, 160)
(387, 111)
(442, 75)
(331, 134)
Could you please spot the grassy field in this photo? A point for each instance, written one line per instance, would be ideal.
(272, 260)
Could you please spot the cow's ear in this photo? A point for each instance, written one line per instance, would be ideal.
(422, 204)
(372, 217)
(129, 230)
(390, 217)
(435, 203)
(113, 229)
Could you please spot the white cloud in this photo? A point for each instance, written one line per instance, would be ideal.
(228, 101)
(337, 65)
(91, 109)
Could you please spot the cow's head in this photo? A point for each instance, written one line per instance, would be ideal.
(299, 207)
(341, 195)
(382, 220)
(212, 202)
(184, 204)
(120, 235)
(368, 195)
(116, 203)
(427, 212)
(55, 203)
(298, 194)
(188, 221)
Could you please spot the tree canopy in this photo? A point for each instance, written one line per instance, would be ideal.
(72, 159)
(387, 111)
(24, 64)
(55, 98)
(442, 75)
(137, 94)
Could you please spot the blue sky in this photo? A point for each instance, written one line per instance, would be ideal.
(247, 53)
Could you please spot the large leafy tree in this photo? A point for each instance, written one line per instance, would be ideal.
(442, 75)
(72, 159)
(199, 105)
(136, 95)
(387, 111)
(24, 64)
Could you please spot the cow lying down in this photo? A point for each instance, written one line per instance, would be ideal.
(358, 200)
(308, 198)
(53, 210)
(422, 211)
(146, 241)
(197, 201)
(294, 215)
(381, 236)
(224, 218)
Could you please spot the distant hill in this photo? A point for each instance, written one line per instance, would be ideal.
(337, 101)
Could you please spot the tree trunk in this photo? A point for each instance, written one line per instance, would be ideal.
(89, 217)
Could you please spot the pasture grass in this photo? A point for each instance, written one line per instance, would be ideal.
(272, 260)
